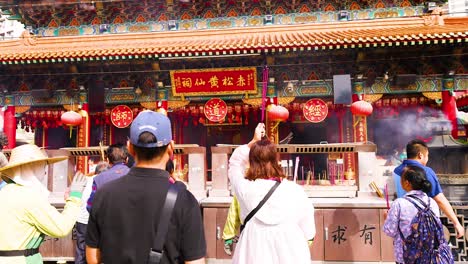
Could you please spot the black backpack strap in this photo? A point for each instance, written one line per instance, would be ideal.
(422, 204)
(157, 251)
(20, 252)
(262, 202)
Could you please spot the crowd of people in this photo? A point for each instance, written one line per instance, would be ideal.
(142, 214)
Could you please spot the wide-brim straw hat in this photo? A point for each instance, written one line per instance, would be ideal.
(29, 153)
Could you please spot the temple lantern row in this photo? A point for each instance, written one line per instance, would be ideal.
(216, 111)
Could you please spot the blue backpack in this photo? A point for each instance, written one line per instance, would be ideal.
(426, 243)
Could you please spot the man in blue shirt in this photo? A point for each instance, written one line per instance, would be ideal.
(418, 155)
(117, 156)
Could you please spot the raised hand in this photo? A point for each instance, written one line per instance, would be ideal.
(79, 182)
(258, 134)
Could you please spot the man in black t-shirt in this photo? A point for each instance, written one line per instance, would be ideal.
(125, 213)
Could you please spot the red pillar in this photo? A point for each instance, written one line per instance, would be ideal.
(9, 126)
(449, 108)
(82, 135)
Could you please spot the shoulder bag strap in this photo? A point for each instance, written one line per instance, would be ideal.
(166, 214)
(262, 202)
(422, 204)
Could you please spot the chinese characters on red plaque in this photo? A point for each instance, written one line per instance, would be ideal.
(315, 110)
(121, 116)
(215, 110)
(214, 81)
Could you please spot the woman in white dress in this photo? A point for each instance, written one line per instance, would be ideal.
(279, 232)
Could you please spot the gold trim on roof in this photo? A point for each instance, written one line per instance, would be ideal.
(258, 101)
(372, 97)
(149, 105)
(71, 107)
(21, 109)
(177, 104)
(433, 95)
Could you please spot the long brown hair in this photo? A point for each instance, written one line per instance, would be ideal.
(263, 160)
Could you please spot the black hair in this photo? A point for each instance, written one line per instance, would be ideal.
(170, 166)
(130, 161)
(146, 154)
(100, 167)
(117, 153)
(416, 176)
(414, 147)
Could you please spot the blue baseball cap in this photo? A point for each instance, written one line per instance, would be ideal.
(155, 123)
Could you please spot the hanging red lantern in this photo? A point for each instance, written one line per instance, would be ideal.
(361, 108)
(277, 113)
(71, 118)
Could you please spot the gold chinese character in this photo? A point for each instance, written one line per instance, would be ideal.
(187, 82)
(315, 110)
(216, 110)
(240, 81)
(118, 116)
(124, 115)
(177, 82)
(249, 78)
(228, 81)
(199, 82)
(214, 81)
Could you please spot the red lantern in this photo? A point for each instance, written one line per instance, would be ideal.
(361, 108)
(277, 113)
(71, 118)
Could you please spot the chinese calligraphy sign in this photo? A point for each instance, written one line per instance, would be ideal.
(121, 116)
(315, 110)
(214, 81)
(366, 232)
(215, 110)
(339, 234)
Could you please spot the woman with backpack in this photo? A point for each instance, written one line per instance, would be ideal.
(413, 222)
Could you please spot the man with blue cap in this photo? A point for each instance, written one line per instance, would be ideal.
(125, 212)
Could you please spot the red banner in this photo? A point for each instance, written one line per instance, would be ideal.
(214, 81)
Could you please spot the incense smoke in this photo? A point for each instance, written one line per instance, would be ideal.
(393, 133)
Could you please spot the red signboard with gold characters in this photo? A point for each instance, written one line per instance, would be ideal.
(121, 116)
(315, 110)
(215, 110)
(214, 81)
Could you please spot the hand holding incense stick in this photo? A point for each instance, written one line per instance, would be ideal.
(264, 91)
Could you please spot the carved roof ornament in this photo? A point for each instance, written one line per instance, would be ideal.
(433, 95)
(436, 18)
(28, 39)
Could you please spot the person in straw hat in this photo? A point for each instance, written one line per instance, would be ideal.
(26, 215)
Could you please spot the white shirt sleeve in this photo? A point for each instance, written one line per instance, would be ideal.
(238, 164)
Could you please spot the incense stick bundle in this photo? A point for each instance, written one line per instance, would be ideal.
(376, 189)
